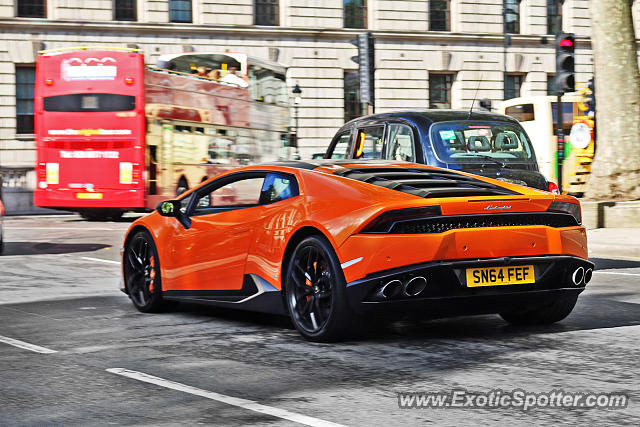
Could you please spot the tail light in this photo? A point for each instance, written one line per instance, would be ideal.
(126, 173)
(572, 209)
(553, 188)
(53, 173)
(386, 222)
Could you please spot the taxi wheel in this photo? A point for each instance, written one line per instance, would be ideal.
(315, 292)
(142, 273)
(553, 311)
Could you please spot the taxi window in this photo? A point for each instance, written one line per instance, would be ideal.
(400, 146)
(369, 143)
(474, 141)
(340, 149)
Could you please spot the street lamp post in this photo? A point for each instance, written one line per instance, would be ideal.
(297, 98)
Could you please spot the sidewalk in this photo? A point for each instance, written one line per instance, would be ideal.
(614, 243)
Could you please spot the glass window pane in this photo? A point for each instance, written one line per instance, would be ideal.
(369, 143)
(278, 187)
(31, 8)
(554, 13)
(352, 105)
(400, 144)
(180, 10)
(512, 16)
(440, 90)
(551, 89)
(512, 86)
(266, 12)
(340, 149)
(355, 13)
(241, 193)
(439, 15)
(25, 79)
(125, 10)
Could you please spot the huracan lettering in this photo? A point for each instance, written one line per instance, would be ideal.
(496, 208)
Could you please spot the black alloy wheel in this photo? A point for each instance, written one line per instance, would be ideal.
(142, 273)
(315, 292)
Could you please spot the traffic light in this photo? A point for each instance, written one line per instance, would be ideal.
(366, 61)
(591, 97)
(565, 64)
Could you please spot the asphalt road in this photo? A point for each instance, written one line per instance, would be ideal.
(98, 361)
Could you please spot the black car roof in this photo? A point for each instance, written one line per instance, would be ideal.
(431, 116)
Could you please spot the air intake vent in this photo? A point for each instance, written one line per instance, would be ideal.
(441, 224)
(427, 183)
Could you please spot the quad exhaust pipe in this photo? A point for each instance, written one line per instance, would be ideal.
(581, 276)
(394, 288)
(391, 289)
(587, 275)
(415, 286)
(578, 276)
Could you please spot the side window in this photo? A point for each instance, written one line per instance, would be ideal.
(369, 143)
(340, 149)
(400, 145)
(239, 194)
(278, 187)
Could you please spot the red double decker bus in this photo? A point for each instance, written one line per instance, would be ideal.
(113, 135)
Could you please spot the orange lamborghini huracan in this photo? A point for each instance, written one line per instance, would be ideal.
(329, 243)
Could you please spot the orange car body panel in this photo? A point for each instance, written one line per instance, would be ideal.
(253, 240)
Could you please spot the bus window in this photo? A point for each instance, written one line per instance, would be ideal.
(569, 111)
(89, 102)
(221, 148)
(267, 85)
(522, 112)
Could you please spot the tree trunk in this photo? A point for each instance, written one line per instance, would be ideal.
(615, 172)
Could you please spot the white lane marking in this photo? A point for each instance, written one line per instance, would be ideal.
(229, 400)
(615, 272)
(350, 263)
(26, 345)
(66, 228)
(108, 261)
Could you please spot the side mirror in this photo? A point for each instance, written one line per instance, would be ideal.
(168, 208)
(172, 208)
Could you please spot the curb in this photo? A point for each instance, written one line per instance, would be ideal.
(611, 214)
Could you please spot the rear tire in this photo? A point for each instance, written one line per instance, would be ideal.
(315, 292)
(142, 276)
(551, 312)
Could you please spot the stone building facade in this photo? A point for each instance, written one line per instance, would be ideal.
(428, 53)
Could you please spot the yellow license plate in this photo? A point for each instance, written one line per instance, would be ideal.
(92, 196)
(495, 276)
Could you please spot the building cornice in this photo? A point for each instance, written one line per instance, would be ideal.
(171, 29)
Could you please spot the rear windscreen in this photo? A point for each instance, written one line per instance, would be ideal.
(479, 140)
(90, 102)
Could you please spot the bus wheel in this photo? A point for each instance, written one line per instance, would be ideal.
(182, 187)
(101, 214)
(116, 214)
